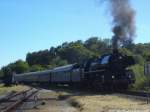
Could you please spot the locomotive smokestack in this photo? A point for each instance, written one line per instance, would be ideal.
(123, 21)
(117, 35)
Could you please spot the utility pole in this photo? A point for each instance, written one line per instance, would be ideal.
(147, 74)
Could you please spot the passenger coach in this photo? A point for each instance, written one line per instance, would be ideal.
(66, 74)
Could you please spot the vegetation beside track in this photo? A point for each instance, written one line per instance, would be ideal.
(93, 102)
(105, 103)
(142, 82)
(5, 89)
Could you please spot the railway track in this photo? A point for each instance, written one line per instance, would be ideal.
(12, 101)
(9, 95)
(135, 93)
(138, 94)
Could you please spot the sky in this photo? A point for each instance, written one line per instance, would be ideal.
(33, 25)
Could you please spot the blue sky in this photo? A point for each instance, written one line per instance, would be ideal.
(32, 25)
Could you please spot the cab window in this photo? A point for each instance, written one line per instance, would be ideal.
(105, 60)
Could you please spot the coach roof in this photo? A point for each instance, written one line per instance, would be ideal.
(34, 73)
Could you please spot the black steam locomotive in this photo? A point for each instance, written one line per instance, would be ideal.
(110, 71)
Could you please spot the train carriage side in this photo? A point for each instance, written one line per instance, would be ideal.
(66, 74)
(38, 77)
(61, 74)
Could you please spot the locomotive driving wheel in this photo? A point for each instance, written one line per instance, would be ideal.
(97, 85)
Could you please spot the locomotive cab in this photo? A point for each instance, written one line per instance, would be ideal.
(114, 62)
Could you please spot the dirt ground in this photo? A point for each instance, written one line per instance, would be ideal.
(111, 103)
(52, 100)
(48, 101)
(59, 101)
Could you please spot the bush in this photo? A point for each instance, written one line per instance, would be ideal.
(139, 76)
(76, 104)
(35, 68)
(139, 59)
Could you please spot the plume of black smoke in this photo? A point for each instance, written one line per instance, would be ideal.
(123, 20)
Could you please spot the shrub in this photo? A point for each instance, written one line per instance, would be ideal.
(139, 76)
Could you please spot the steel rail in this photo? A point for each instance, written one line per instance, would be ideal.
(19, 102)
(11, 95)
(136, 93)
(14, 105)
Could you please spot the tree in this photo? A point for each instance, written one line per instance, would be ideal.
(40, 58)
(146, 56)
(7, 75)
(139, 59)
(125, 51)
(1, 74)
(58, 62)
(19, 67)
(35, 68)
(98, 46)
(75, 52)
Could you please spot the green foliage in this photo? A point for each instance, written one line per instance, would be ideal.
(146, 56)
(16, 67)
(39, 58)
(59, 62)
(1, 74)
(75, 52)
(7, 75)
(98, 46)
(35, 68)
(19, 67)
(139, 76)
(125, 51)
(139, 59)
(143, 50)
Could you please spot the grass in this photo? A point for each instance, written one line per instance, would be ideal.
(71, 100)
(105, 103)
(4, 90)
(141, 79)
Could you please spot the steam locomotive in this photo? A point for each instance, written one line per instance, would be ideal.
(110, 71)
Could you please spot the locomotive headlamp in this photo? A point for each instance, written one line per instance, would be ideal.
(113, 76)
(120, 57)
